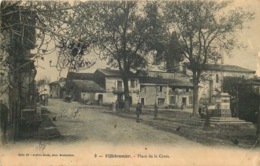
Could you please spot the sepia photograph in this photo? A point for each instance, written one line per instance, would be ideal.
(149, 82)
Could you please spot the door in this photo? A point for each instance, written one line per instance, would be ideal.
(142, 101)
(130, 100)
(100, 99)
(184, 101)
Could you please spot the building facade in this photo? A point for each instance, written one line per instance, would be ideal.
(212, 81)
(105, 86)
(165, 89)
(57, 89)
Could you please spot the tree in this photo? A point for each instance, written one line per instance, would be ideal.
(26, 26)
(205, 31)
(121, 34)
(245, 97)
(163, 42)
(44, 27)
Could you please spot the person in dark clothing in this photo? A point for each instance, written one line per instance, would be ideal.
(207, 118)
(155, 111)
(202, 115)
(4, 119)
(138, 112)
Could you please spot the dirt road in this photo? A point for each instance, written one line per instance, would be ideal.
(95, 136)
(79, 123)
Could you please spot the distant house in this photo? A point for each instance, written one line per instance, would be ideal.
(214, 75)
(86, 90)
(81, 86)
(113, 84)
(57, 89)
(103, 86)
(164, 89)
(106, 86)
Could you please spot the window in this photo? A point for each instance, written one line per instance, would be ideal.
(187, 89)
(119, 84)
(161, 88)
(132, 83)
(142, 88)
(217, 78)
(142, 101)
(161, 101)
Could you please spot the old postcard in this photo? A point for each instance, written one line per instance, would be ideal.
(130, 83)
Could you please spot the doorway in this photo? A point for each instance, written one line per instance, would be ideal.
(100, 99)
(130, 100)
(184, 101)
(142, 101)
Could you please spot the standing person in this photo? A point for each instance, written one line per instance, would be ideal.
(155, 111)
(117, 105)
(138, 111)
(207, 117)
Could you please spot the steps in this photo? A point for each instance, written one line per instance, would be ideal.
(223, 120)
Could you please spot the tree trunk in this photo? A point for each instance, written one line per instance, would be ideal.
(195, 94)
(126, 93)
(258, 121)
(195, 100)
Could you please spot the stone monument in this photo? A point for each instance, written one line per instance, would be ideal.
(222, 106)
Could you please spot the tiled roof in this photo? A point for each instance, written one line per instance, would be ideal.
(80, 76)
(88, 86)
(113, 72)
(170, 82)
(229, 68)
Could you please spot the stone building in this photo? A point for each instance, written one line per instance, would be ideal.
(212, 78)
(102, 86)
(106, 86)
(57, 89)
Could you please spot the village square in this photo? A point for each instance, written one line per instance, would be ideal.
(159, 73)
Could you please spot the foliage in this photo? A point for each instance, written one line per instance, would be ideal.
(248, 104)
(244, 97)
(231, 85)
(205, 31)
(123, 33)
(42, 26)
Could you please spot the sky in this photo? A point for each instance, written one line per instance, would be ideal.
(247, 58)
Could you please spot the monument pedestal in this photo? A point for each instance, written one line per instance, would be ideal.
(222, 106)
(221, 113)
